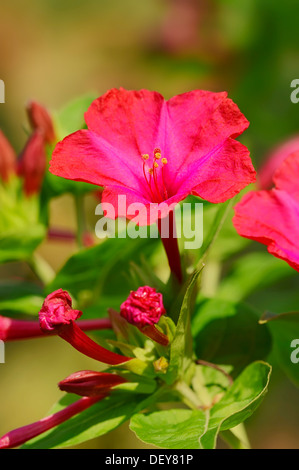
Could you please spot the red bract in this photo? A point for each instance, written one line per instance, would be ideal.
(8, 158)
(272, 217)
(153, 151)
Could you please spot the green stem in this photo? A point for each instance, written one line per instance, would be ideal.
(236, 437)
(81, 228)
(210, 278)
(188, 396)
(42, 269)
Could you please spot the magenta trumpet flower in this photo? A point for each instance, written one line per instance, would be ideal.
(58, 316)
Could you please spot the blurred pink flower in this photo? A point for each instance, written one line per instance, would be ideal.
(274, 160)
(272, 217)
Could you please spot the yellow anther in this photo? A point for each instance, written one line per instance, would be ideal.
(164, 161)
(158, 155)
(145, 156)
(150, 170)
(156, 165)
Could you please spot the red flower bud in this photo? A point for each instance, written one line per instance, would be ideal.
(57, 315)
(41, 120)
(18, 436)
(32, 163)
(89, 383)
(57, 311)
(143, 308)
(7, 158)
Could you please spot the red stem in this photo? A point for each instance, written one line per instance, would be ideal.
(171, 247)
(11, 329)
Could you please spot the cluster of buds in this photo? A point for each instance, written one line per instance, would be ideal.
(143, 309)
(31, 164)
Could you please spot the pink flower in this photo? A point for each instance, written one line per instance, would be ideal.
(57, 316)
(90, 383)
(274, 160)
(8, 158)
(41, 120)
(18, 436)
(153, 151)
(272, 217)
(144, 308)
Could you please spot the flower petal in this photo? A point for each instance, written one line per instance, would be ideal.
(271, 218)
(128, 120)
(221, 174)
(274, 161)
(200, 121)
(85, 156)
(286, 177)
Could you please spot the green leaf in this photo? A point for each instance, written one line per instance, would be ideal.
(171, 429)
(181, 349)
(18, 245)
(239, 402)
(68, 120)
(284, 328)
(198, 429)
(214, 229)
(20, 297)
(97, 420)
(91, 271)
(20, 228)
(228, 333)
(71, 117)
(251, 273)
